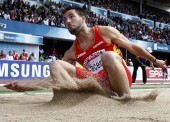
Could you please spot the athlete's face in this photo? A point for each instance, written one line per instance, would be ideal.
(73, 22)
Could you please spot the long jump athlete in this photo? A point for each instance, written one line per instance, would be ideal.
(96, 49)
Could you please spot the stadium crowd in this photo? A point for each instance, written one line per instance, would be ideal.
(43, 56)
(131, 8)
(15, 56)
(50, 14)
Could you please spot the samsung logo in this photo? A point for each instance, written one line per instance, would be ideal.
(23, 70)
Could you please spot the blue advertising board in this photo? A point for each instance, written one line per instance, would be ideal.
(35, 29)
(161, 47)
(148, 22)
(99, 11)
(72, 3)
(21, 38)
(23, 70)
(155, 46)
(124, 16)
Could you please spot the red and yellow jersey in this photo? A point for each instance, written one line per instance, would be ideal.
(90, 58)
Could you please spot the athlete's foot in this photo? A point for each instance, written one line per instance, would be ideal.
(17, 86)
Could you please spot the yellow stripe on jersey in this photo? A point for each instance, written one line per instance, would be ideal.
(116, 49)
(79, 65)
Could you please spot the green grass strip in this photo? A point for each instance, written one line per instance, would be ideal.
(140, 88)
(12, 92)
(40, 91)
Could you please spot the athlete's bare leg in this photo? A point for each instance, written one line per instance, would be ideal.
(112, 63)
(62, 73)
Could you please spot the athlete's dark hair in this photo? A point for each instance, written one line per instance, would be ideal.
(80, 11)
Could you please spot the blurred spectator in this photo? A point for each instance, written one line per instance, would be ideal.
(54, 53)
(15, 55)
(165, 71)
(85, 6)
(60, 57)
(2, 55)
(41, 51)
(45, 21)
(32, 57)
(24, 52)
(52, 57)
(9, 56)
(41, 58)
(6, 15)
(24, 55)
(145, 37)
(48, 59)
(89, 5)
(129, 62)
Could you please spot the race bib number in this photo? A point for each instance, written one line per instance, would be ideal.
(95, 65)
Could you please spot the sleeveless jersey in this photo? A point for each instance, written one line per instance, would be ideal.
(90, 58)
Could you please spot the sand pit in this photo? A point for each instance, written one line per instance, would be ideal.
(73, 107)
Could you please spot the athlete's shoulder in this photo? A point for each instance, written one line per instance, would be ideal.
(106, 30)
(105, 27)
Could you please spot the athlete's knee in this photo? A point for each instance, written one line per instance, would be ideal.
(54, 64)
(110, 58)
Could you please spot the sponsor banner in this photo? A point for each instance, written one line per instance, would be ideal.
(23, 70)
(36, 29)
(148, 22)
(161, 47)
(143, 44)
(152, 75)
(21, 38)
(99, 11)
(155, 74)
(124, 16)
(155, 46)
(72, 3)
(162, 25)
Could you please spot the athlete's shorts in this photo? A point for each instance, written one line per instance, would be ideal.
(102, 76)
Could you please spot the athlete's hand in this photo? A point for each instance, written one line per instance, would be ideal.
(16, 86)
(160, 63)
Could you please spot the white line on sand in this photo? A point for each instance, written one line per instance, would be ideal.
(2, 84)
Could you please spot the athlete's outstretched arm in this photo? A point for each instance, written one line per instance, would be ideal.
(121, 40)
